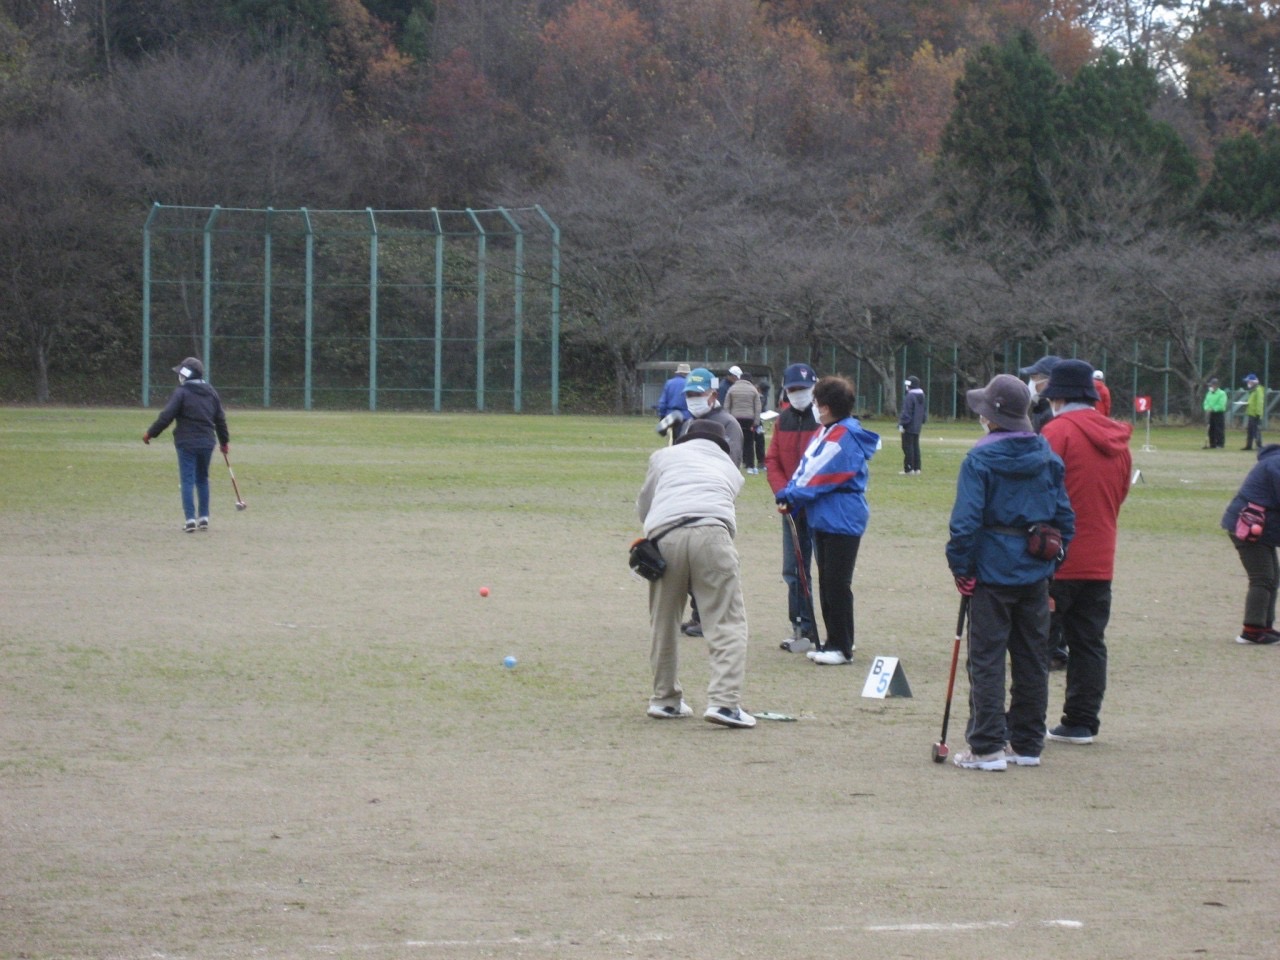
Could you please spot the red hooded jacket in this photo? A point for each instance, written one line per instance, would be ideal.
(1095, 450)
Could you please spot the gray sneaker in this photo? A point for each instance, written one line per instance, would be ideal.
(190, 527)
(665, 712)
(729, 717)
(968, 760)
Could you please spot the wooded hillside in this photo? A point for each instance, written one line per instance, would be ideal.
(854, 173)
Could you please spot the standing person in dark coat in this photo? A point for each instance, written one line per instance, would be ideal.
(202, 425)
(910, 422)
(1037, 375)
(1257, 548)
(1007, 482)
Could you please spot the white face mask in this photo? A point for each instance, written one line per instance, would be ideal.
(801, 399)
(986, 424)
(907, 384)
(698, 406)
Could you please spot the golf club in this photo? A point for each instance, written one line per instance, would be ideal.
(240, 504)
(940, 749)
(798, 643)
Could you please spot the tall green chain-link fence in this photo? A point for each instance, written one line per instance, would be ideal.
(399, 309)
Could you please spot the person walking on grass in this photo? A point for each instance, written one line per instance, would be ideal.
(830, 487)
(910, 422)
(1252, 521)
(1253, 410)
(201, 426)
(688, 500)
(1007, 482)
(1095, 451)
(1215, 410)
(793, 431)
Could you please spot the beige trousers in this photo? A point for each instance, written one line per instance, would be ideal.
(703, 561)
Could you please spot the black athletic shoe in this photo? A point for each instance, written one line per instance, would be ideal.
(1065, 734)
(691, 628)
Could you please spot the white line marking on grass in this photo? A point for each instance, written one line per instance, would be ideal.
(966, 926)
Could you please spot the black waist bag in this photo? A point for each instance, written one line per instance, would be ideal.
(646, 559)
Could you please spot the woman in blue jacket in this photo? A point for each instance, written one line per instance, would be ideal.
(830, 486)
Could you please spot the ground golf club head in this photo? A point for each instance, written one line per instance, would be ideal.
(940, 752)
(241, 505)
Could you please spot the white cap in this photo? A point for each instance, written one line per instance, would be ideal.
(735, 371)
(1097, 374)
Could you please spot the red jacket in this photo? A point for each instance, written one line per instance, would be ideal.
(792, 432)
(1095, 450)
(1103, 406)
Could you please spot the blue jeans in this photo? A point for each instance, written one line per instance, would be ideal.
(799, 606)
(193, 473)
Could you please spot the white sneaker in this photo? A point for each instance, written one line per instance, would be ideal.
(203, 525)
(1019, 760)
(729, 717)
(190, 527)
(968, 760)
(830, 658)
(664, 712)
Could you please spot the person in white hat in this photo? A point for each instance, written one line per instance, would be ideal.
(1103, 406)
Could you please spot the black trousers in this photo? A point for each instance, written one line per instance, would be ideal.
(1253, 433)
(1217, 429)
(1083, 608)
(1012, 621)
(1263, 570)
(836, 555)
(748, 443)
(910, 451)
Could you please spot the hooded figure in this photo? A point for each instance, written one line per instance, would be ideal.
(1095, 450)
(910, 422)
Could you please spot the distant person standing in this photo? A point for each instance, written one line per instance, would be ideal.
(793, 431)
(1095, 451)
(910, 422)
(1255, 541)
(201, 426)
(1103, 406)
(1253, 411)
(1037, 377)
(1215, 408)
(672, 399)
(742, 402)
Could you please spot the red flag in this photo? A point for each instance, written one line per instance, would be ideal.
(1142, 404)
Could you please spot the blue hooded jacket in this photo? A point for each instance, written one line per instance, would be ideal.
(1260, 486)
(1009, 480)
(830, 483)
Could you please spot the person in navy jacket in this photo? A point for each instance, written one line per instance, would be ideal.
(830, 486)
(1261, 488)
(1010, 480)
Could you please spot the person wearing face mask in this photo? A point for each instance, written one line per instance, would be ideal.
(700, 396)
(202, 425)
(794, 429)
(1095, 450)
(1008, 481)
(830, 486)
(910, 423)
(1037, 376)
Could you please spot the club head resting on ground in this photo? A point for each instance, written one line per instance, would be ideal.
(940, 752)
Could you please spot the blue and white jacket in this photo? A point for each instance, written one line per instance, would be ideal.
(830, 484)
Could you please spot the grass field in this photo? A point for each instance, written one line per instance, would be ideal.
(293, 736)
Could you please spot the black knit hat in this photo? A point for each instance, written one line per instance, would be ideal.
(705, 430)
